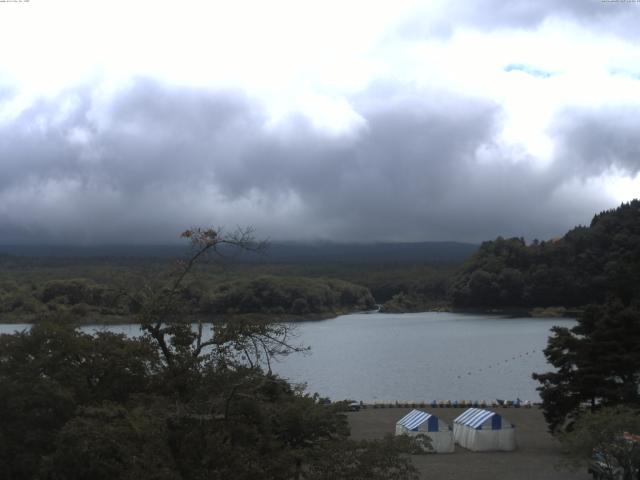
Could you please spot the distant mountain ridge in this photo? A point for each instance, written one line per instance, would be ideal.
(277, 252)
(418, 252)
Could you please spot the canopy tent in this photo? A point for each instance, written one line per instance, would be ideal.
(418, 422)
(481, 430)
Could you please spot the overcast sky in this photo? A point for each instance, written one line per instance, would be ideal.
(343, 120)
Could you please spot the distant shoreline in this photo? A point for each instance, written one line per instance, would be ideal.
(549, 312)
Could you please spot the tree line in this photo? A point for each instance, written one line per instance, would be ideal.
(266, 294)
(588, 265)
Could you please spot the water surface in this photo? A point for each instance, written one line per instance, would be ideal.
(413, 357)
(422, 356)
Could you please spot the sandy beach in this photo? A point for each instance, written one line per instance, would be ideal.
(537, 457)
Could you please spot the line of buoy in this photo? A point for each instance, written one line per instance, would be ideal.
(500, 362)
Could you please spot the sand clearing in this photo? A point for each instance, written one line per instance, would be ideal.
(537, 456)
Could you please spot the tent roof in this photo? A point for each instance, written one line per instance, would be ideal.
(414, 419)
(474, 417)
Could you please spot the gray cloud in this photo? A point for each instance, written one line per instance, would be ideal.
(155, 159)
(591, 141)
(617, 18)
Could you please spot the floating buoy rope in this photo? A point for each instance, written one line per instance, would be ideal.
(499, 362)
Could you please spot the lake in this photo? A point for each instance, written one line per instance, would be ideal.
(414, 356)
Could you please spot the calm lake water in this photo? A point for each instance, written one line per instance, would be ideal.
(414, 357)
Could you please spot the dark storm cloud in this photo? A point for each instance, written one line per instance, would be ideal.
(142, 136)
(616, 18)
(156, 159)
(593, 140)
(74, 168)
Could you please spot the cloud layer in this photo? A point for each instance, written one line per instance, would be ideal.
(613, 17)
(425, 121)
(155, 159)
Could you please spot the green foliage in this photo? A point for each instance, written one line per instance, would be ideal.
(294, 295)
(587, 265)
(108, 442)
(412, 302)
(208, 293)
(173, 403)
(74, 291)
(597, 363)
(601, 440)
(46, 373)
(75, 406)
(31, 288)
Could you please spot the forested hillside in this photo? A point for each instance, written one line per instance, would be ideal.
(587, 265)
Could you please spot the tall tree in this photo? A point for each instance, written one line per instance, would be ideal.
(597, 364)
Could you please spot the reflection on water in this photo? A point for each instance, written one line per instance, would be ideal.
(417, 356)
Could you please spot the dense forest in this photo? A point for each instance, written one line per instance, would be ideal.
(91, 287)
(588, 265)
(173, 404)
(88, 300)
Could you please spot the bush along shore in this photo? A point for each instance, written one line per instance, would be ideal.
(266, 297)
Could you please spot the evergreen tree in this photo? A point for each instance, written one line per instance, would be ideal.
(597, 364)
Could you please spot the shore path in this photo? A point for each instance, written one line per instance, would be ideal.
(536, 458)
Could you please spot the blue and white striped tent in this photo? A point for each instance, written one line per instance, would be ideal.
(417, 422)
(482, 430)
